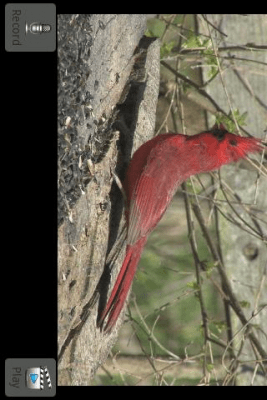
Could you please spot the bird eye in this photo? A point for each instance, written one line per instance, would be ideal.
(233, 142)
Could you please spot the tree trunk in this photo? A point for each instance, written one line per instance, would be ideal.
(245, 254)
(103, 61)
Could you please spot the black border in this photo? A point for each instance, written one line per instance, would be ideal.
(30, 234)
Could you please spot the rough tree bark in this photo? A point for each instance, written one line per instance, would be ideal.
(120, 67)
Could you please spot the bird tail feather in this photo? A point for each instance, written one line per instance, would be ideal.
(122, 285)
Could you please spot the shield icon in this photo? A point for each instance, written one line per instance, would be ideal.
(33, 378)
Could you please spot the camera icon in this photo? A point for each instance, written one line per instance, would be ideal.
(37, 28)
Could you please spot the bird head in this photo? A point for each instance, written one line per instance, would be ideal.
(218, 147)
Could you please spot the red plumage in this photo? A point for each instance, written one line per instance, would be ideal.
(156, 170)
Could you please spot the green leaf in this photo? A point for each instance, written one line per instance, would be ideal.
(155, 27)
(244, 304)
(221, 326)
(230, 126)
(212, 61)
(193, 285)
(209, 267)
(166, 48)
(210, 367)
(205, 48)
(192, 42)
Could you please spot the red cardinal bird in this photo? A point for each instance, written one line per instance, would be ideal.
(156, 170)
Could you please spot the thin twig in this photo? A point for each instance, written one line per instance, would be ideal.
(233, 300)
(196, 86)
(221, 77)
(192, 241)
(213, 26)
(151, 335)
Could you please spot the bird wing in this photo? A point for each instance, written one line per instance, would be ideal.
(153, 191)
